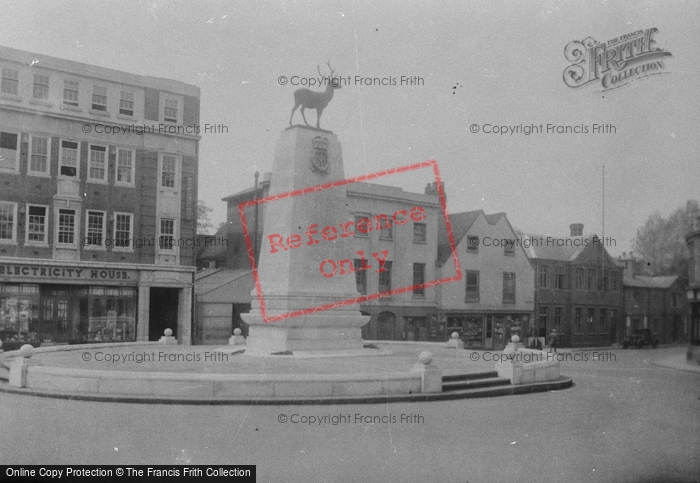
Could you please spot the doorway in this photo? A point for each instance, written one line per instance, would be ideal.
(56, 311)
(162, 313)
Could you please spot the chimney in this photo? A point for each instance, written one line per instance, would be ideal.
(576, 229)
(432, 188)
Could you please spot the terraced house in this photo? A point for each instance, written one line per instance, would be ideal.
(98, 190)
(578, 289)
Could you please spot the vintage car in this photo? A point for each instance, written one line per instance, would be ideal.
(639, 338)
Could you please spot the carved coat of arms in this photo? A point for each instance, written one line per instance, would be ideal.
(319, 159)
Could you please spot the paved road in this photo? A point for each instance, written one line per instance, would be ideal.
(625, 420)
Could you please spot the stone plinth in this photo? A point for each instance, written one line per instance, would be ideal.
(289, 266)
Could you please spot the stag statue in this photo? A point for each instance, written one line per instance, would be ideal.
(316, 100)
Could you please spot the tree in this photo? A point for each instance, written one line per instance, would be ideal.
(204, 223)
(661, 241)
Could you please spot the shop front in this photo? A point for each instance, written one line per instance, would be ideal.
(489, 331)
(44, 303)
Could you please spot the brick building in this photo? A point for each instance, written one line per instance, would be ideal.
(578, 289)
(98, 190)
(655, 303)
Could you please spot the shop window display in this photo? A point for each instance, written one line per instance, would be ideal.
(19, 315)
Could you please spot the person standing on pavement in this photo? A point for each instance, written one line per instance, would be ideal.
(553, 339)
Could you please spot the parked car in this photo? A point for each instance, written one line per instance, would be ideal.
(639, 338)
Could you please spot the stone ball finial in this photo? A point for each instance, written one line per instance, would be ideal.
(26, 351)
(237, 331)
(425, 357)
(515, 339)
(168, 332)
(455, 335)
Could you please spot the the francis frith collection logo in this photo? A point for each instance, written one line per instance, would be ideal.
(614, 63)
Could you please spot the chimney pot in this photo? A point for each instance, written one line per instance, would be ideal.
(576, 229)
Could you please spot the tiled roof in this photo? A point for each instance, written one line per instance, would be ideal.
(641, 281)
(460, 222)
(564, 249)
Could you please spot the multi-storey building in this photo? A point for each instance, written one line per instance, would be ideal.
(98, 190)
(495, 298)
(411, 247)
(655, 303)
(693, 292)
(578, 289)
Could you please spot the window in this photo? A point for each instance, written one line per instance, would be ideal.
(385, 276)
(560, 279)
(558, 317)
(544, 276)
(508, 287)
(125, 166)
(10, 81)
(166, 240)
(69, 159)
(590, 320)
(692, 276)
(168, 171)
(590, 284)
(675, 300)
(123, 226)
(578, 278)
(70, 93)
(37, 225)
(384, 227)
(97, 169)
(360, 277)
(39, 160)
(578, 316)
(8, 150)
(170, 107)
(8, 222)
(603, 320)
(419, 233)
(472, 294)
(613, 318)
(543, 319)
(66, 227)
(126, 103)
(473, 244)
(41, 87)
(95, 228)
(362, 225)
(418, 279)
(637, 297)
(509, 249)
(99, 98)
(614, 281)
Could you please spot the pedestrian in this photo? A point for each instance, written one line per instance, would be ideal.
(553, 340)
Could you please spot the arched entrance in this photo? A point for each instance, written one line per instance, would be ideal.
(365, 328)
(386, 326)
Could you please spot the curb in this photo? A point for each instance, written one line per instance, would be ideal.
(562, 383)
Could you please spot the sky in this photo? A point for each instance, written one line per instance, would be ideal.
(481, 62)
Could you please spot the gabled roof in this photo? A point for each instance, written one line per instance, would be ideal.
(216, 249)
(640, 281)
(563, 249)
(460, 222)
